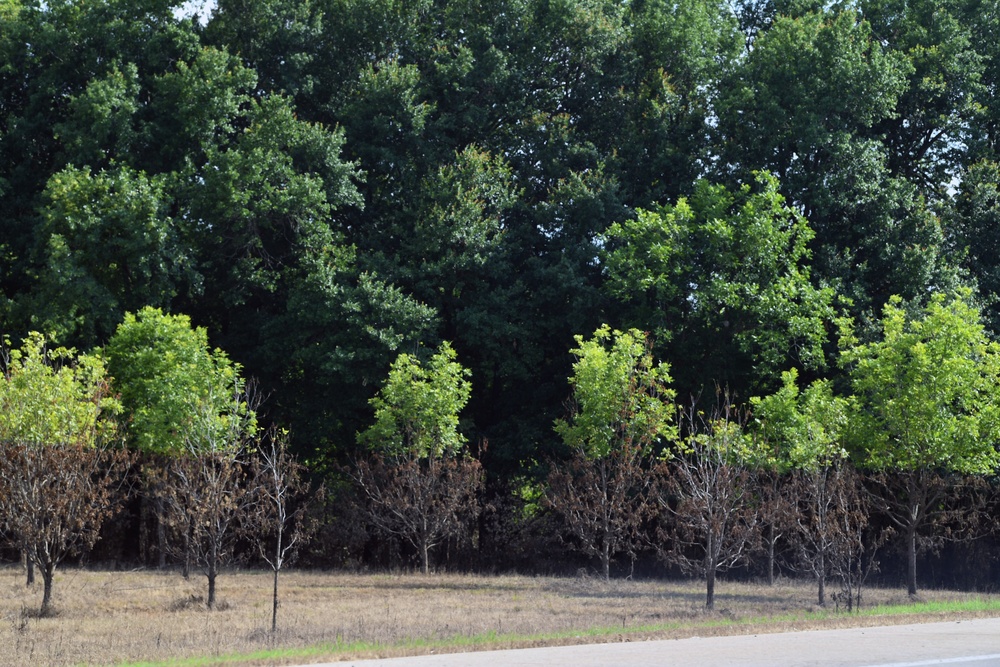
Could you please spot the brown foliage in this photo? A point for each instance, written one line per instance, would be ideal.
(423, 501)
(709, 517)
(55, 498)
(602, 500)
(206, 501)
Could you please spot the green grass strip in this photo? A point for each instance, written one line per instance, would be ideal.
(976, 605)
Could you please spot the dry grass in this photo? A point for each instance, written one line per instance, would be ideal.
(116, 617)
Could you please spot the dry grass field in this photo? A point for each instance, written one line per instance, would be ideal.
(157, 617)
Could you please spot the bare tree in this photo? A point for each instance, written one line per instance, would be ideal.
(282, 492)
(207, 492)
(830, 523)
(55, 499)
(602, 500)
(706, 498)
(422, 500)
(777, 515)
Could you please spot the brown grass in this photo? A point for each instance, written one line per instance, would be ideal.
(114, 617)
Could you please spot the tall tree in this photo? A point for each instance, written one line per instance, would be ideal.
(927, 407)
(723, 278)
(809, 103)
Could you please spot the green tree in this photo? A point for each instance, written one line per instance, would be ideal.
(58, 470)
(927, 405)
(172, 387)
(723, 279)
(418, 483)
(621, 409)
(811, 102)
(417, 409)
(108, 245)
(809, 428)
(163, 369)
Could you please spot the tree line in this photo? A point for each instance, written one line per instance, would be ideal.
(326, 188)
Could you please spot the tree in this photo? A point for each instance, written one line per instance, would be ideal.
(812, 102)
(620, 410)
(207, 495)
(281, 502)
(723, 279)
(927, 407)
(59, 471)
(420, 486)
(165, 373)
(705, 496)
(811, 427)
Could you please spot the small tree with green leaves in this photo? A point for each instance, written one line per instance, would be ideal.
(166, 375)
(419, 484)
(928, 408)
(59, 469)
(621, 408)
(810, 428)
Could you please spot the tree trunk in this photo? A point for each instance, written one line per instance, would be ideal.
(48, 572)
(770, 555)
(605, 560)
(161, 535)
(186, 567)
(212, 571)
(911, 559)
(425, 553)
(211, 588)
(274, 603)
(29, 567)
(821, 575)
(710, 587)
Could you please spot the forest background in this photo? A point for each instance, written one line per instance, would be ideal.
(324, 185)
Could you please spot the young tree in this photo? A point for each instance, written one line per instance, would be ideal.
(419, 484)
(811, 427)
(165, 373)
(281, 491)
(621, 408)
(706, 497)
(59, 474)
(927, 407)
(208, 497)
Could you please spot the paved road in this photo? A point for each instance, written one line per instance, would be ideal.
(958, 643)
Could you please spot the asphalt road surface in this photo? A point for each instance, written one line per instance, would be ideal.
(973, 643)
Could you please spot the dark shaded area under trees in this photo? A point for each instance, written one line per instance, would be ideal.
(789, 200)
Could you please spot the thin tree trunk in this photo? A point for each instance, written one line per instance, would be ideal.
(911, 559)
(29, 567)
(770, 555)
(710, 587)
(213, 571)
(821, 575)
(186, 567)
(606, 560)
(274, 603)
(161, 535)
